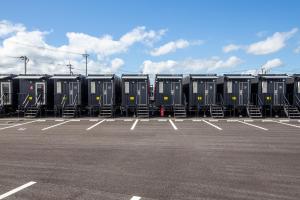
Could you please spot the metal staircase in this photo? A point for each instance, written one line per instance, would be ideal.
(216, 111)
(69, 111)
(106, 111)
(179, 111)
(254, 111)
(32, 111)
(290, 110)
(142, 111)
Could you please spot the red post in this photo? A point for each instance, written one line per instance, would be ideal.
(162, 111)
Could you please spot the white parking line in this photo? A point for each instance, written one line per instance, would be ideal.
(22, 187)
(279, 122)
(196, 120)
(59, 120)
(93, 126)
(162, 120)
(172, 123)
(213, 125)
(134, 124)
(17, 125)
(135, 198)
(144, 120)
(128, 120)
(243, 122)
(55, 125)
(178, 120)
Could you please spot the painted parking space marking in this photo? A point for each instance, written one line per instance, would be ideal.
(75, 120)
(110, 120)
(232, 120)
(213, 125)
(174, 126)
(144, 120)
(17, 125)
(59, 120)
(94, 125)
(196, 120)
(134, 124)
(267, 120)
(178, 120)
(262, 128)
(248, 120)
(22, 187)
(162, 120)
(292, 125)
(128, 120)
(135, 198)
(55, 125)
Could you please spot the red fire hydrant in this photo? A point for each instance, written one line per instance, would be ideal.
(162, 111)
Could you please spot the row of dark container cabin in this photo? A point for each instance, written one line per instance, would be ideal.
(132, 95)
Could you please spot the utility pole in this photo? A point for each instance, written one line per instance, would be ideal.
(70, 68)
(26, 60)
(86, 60)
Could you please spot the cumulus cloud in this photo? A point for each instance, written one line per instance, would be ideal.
(46, 58)
(270, 45)
(189, 65)
(7, 28)
(266, 67)
(173, 46)
(270, 64)
(231, 47)
(297, 50)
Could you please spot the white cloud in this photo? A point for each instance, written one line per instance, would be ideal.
(173, 46)
(270, 64)
(231, 47)
(267, 67)
(271, 44)
(297, 50)
(189, 65)
(46, 58)
(7, 28)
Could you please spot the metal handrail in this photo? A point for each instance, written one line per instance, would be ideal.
(285, 101)
(75, 100)
(1, 100)
(37, 103)
(260, 102)
(297, 100)
(63, 101)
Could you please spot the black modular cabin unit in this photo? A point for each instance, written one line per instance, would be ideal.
(168, 93)
(272, 93)
(200, 91)
(9, 88)
(70, 94)
(234, 93)
(35, 94)
(104, 94)
(135, 93)
(296, 91)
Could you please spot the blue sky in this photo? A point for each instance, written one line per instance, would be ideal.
(172, 36)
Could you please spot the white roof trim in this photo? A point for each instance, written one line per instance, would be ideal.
(240, 77)
(274, 77)
(204, 77)
(169, 77)
(134, 77)
(99, 77)
(64, 77)
(3, 77)
(29, 77)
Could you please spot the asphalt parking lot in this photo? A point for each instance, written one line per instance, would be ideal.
(130, 159)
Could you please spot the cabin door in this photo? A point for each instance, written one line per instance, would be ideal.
(209, 93)
(243, 93)
(5, 93)
(73, 93)
(142, 93)
(176, 93)
(40, 93)
(107, 93)
(278, 93)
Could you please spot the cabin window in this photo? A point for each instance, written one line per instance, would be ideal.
(161, 87)
(264, 86)
(229, 87)
(299, 87)
(93, 87)
(126, 87)
(195, 87)
(58, 87)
